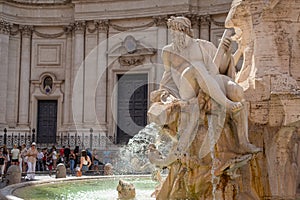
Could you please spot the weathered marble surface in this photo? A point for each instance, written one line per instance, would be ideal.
(269, 32)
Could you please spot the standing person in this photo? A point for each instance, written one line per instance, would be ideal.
(62, 151)
(85, 161)
(7, 158)
(45, 154)
(20, 158)
(77, 155)
(2, 164)
(67, 153)
(54, 156)
(31, 162)
(62, 155)
(72, 158)
(49, 161)
(40, 156)
(15, 155)
(23, 157)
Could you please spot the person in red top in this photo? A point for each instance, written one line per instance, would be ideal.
(62, 152)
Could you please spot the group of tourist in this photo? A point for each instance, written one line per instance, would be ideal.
(36, 159)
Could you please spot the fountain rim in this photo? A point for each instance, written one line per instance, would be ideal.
(7, 192)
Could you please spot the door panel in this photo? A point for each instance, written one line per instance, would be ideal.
(47, 121)
(132, 105)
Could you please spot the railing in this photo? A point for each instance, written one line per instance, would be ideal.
(87, 139)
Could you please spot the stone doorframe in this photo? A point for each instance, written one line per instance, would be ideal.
(131, 57)
(38, 93)
(112, 102)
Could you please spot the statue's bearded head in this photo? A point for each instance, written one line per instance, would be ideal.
(180, 28)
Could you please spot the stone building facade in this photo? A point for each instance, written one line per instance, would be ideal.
(80, 72)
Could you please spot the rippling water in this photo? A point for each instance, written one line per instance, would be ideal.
(91, 190)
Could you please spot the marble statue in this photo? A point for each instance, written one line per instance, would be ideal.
(194, 104)
(126, 190)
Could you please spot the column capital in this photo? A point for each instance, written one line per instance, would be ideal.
(26, 30)
(5, 27)
(160, 20)
(194, 18)
(101, 25)
(205, 19)
(79, 26)
(68, 29)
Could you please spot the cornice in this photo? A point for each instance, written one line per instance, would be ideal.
(36, 14)
(72, 16)
(43, 3)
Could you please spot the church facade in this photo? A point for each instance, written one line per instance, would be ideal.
(80, 72)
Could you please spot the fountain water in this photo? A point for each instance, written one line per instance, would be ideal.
(133, 158)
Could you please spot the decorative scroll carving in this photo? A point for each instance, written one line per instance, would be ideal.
(5, 27)
(131, 52)
(131, 60)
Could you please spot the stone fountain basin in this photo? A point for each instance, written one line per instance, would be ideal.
(97, 184)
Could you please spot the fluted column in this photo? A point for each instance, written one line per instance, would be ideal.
(78, 73)
(101, 91)
(205, 27)
(90, 74)
(24, 94)
(4, 43)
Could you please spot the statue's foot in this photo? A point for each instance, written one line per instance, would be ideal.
(234, 107)
(250, 148)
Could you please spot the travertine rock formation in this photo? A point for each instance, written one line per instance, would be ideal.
(270, 74)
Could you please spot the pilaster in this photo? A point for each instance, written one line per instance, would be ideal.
(90, 74)
(101, 90)
(13, 81)
(24, 97)
(78, 73)
(4, 44)
(68, 91)
(162, 40)
(205, 27)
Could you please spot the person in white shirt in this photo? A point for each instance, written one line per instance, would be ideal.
(40, 156)
(31, 162)
(15, 155)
